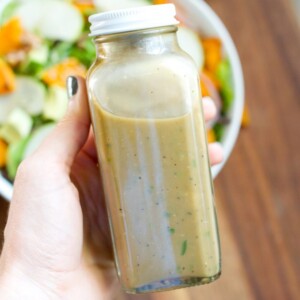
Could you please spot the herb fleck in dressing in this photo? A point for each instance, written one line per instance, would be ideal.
(183, 247)
(156, 173)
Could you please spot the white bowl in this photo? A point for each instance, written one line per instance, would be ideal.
(199, 16)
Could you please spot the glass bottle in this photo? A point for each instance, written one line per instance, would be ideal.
(151, 141)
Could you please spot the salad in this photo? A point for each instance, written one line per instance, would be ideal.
(43, 42)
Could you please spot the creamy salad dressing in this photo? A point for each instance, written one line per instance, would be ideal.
(155, 172)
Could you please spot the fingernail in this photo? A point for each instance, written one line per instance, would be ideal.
(72, 86)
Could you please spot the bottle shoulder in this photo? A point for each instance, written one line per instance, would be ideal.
(178, 64)
(156, 86)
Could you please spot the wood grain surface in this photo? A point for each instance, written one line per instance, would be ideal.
(258, 192)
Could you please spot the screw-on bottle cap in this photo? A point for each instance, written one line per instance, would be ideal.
(133, 19)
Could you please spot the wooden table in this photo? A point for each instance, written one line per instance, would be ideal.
(258, 192)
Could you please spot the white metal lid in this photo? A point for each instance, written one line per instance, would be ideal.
(132, 19)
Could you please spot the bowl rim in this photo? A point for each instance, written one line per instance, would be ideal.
(6, 188)
(237, 108)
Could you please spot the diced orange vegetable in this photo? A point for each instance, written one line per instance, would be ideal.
(209, 84)
(160, 1)
(246, 117)
(211, 136)
(84, 5)
(7, 78)
(58, 74)
(10, 36)
(3, 153)
(212, 77)
(204, 90)
(213, 53)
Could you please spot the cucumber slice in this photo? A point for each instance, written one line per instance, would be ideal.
(106, 5)
(35, 61)
(56, 103)
(190, 42)
(52, 19)
(14, 157)
(29, 13)
(29, 95)
(6, 106)
(39, 55)
(224, 75)
(18, 126)
(37, 138)
(7, 10)
(9, 134)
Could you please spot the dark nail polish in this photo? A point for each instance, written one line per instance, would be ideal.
(72, 86)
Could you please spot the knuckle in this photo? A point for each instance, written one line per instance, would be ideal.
(27, 168)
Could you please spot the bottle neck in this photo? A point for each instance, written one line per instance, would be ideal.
(150, 41)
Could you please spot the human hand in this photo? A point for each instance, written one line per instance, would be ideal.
(57, 242)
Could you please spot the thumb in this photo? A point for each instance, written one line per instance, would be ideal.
(72, 131)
